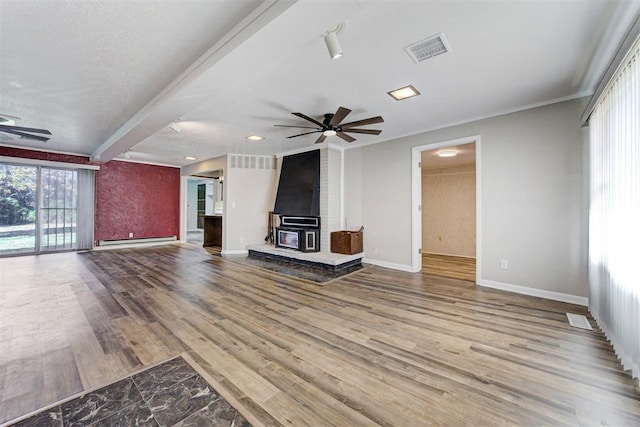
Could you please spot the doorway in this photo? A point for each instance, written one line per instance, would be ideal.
(449, 212)
(204, 199)
(446, 219)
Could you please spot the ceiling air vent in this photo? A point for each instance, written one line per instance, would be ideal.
(428, 48)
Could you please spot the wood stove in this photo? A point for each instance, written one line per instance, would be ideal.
(301, 233)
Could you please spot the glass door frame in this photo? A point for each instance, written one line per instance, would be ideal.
(41, 209)
(37, 249)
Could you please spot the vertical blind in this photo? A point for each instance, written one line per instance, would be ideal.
(86, 207)
(614, 213)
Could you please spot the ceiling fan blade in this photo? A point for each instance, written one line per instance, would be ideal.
(23, 129)
(24, 134)
(301, 127)
(345, 137)
(366, 131)
(339, 116)
(320, 139)
(369, 121)
(306, 133)
(309, 119)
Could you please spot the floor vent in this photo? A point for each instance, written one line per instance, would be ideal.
(579, 321)
(428, 48)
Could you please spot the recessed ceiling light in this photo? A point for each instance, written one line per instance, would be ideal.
(404, 93)
(447, 153)
(255, 138)
(190, 158)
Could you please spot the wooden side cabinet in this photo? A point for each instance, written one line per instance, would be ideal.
(212, 230)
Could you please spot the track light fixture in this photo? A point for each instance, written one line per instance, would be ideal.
(335, 51)
(174, 127)
(332, 42)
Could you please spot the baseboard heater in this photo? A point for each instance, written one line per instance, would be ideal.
(136, 241)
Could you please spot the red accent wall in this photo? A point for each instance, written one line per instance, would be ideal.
(43, 155)
(130, 197)
(137, 198)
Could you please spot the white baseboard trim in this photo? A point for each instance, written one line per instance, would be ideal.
(391, 265)
(235, 252)
(458, 256)
(135, 245)
(541, 293)
(137, 240)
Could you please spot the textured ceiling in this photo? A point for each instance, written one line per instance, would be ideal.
(107, 77)
(83, 68)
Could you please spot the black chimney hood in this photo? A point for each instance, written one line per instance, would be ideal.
(299, 185)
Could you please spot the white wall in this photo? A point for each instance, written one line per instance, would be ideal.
(353, 217)
(330, 195)
(532, 209)
(449, 211)
(249, 195)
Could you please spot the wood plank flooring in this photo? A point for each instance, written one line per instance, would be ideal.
(378, 347)
(456, 267)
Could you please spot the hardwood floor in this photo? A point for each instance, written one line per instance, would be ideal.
(377, 347)
(456, 267)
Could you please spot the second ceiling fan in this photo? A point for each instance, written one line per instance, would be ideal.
(332, 125)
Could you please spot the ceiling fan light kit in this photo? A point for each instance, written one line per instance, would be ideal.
(332, 126)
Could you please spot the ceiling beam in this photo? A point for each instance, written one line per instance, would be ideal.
(160, 110)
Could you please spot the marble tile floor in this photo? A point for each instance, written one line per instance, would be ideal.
(169, 394)
(313, 274)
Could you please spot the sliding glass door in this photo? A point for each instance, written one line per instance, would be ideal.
(38, 209)
(59, 209)
(18, 209)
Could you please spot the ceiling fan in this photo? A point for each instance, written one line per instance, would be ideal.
(332, 125)
(7, 126)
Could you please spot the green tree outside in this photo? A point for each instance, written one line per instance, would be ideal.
(17, 195)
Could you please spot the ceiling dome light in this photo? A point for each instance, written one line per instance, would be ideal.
(329, 132)
(447, 153)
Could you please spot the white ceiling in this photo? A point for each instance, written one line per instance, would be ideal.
(110, 76)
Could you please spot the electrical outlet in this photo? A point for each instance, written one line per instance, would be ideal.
(242, 240)
(504, 264)
(375, 251)
(130, 234)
